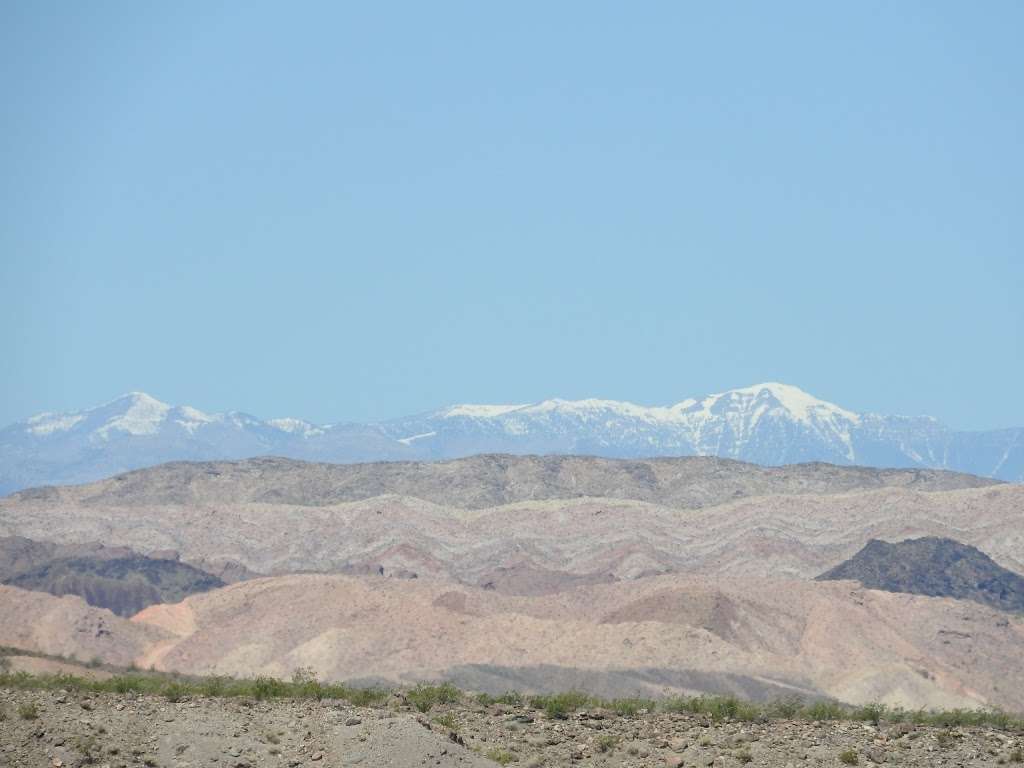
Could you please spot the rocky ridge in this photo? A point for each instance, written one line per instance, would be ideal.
(933, 566)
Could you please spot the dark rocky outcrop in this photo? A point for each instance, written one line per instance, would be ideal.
(115, 578)
(933, 566)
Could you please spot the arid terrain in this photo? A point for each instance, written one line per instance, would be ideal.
(67, 729)
(523, 524)
(542, 574)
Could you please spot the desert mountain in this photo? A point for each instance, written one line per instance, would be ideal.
(478, 482)
(760, 638)
(116, 578)
(520, 524)
(771, 424)
(933, 566)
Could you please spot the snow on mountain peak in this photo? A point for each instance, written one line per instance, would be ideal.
(48, 423)
(796, 402)
(295, 427)
(141, 416)
(479, 411)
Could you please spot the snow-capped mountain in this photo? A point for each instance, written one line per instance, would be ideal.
(767, 424)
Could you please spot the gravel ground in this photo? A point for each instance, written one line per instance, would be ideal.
(58, 729)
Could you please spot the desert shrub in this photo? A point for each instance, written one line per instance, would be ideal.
(448, 721)
(630, 706)
(870, 713)
(744, 756)
(424, 696)
(305, 684)
(848, 757)
(365, 697)
(28, 711)
(88, 748)
(501, 756)
(1017, 756)
(558, 706)
(268, 688)
(174, 692)
(785, 707)
(824, 710)
(217, 685)
(607, 742)
(126, 684)
(718, 707)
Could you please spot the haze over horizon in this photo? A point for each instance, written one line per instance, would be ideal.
(350, 214)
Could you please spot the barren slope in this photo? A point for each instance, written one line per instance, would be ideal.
(761, 637)
(68, 626)
(538, 546)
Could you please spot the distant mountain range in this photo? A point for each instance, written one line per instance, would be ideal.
(770, 424)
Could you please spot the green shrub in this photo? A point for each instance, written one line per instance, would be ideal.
(501, 756)
(268, 688)
(630, 706)
(558, 706)
(174, 692)
(848, 757)
(871, 713)
(824, 710)
(424, 696)
(785, 707)
(448, 721)
(607, 742)
(28, 711)
(126, 684)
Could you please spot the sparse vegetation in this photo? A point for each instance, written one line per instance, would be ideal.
(630, 707)
(509, 698)
(559, 706)
(716, 707)
(607, 742)
(448, 721)
(28, 711)
(424, 697)
(501, 756)
(1017, 756)
(849, 757)
(88, 748)
(174, 692)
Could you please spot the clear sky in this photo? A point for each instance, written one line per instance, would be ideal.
(359, 210)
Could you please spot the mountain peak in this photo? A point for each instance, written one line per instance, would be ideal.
(137, 414)
(801, 405)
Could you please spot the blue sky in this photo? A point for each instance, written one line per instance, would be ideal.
(352, 211)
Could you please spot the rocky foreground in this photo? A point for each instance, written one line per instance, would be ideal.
(67, 729)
